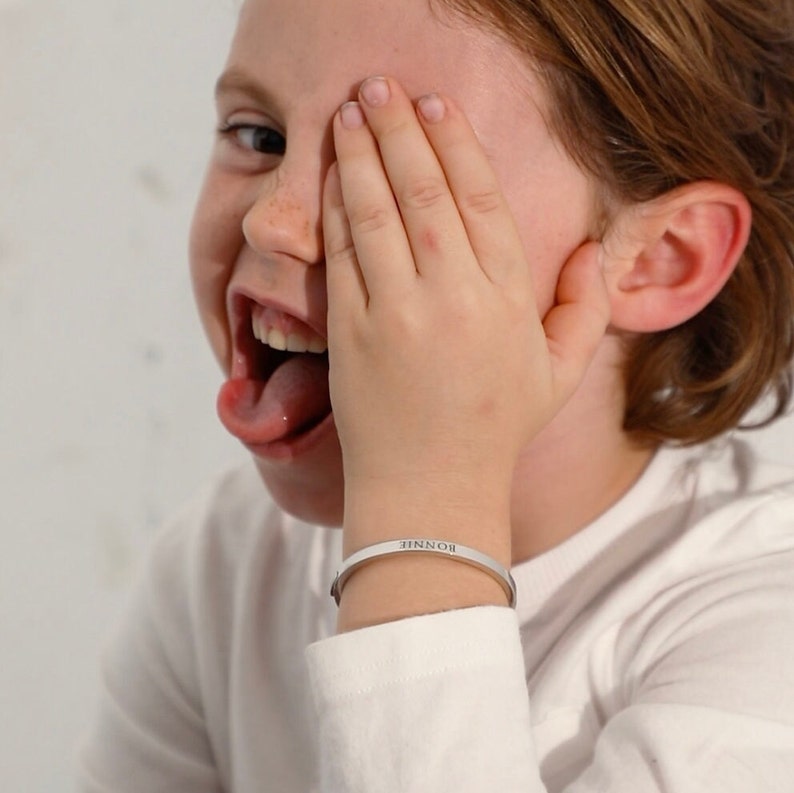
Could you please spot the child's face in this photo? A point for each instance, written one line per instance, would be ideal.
(256, 243)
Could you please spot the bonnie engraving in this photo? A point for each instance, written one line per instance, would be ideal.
(427, 545)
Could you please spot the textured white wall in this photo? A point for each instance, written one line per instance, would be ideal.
(106, 388)
(106, 385)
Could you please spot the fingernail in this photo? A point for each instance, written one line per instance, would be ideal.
(375, 91)
(431, 108)
(351, 115)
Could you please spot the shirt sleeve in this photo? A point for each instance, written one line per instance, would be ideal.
(437, 702)
(148, 733)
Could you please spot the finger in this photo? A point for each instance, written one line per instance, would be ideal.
(376, 228)
(433, 224)
(577, 323)
(346, 285)
(485, 213)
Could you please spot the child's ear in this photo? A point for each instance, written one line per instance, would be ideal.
(666, 259)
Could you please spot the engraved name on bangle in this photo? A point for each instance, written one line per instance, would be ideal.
(427, 545)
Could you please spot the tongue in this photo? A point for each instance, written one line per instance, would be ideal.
(294, 399)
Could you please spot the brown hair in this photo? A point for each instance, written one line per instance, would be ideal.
(650, 95)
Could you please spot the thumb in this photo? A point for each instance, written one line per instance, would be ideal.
(578, 320)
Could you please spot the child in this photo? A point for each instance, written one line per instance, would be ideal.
(550, 255)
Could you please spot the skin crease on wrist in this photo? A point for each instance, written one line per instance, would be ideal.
(466, 425)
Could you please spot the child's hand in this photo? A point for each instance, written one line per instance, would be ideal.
(441, 370)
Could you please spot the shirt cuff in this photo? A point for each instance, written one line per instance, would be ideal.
(437, 702)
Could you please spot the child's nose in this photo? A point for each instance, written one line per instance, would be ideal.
(285, 219)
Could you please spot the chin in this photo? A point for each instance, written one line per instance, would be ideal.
(313, 496)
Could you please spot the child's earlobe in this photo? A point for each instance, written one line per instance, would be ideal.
(669, 258)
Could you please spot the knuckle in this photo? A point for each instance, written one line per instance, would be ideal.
(405, 326)
(338, 248)
(369, 218)
(423, 193)
(342, 257)
(483, 202)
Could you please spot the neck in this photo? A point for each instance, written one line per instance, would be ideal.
(577, 468)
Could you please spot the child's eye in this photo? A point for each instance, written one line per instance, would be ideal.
(264, 140)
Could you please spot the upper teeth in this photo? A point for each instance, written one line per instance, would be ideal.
(293, 342)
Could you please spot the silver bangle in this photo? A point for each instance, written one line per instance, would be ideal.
(452, 550)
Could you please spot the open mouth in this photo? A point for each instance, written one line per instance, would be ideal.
(278, 389)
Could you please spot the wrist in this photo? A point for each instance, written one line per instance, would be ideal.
(477, 516)
(405, 585)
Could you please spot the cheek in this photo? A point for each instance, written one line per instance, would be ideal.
(555, 216)
(215, 241)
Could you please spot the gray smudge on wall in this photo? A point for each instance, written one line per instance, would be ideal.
(153, 183)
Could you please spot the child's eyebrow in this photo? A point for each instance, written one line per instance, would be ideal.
(235, 80)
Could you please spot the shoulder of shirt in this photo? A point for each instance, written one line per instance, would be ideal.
(689, 502)
(231, 524)
(731, 540)
(721, 583)
(721, 493)
(739, 498)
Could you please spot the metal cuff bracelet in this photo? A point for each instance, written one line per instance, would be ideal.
(452, 550)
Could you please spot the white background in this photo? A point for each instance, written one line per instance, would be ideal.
(106, 386)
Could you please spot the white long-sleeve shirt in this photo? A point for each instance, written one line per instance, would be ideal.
(652, 651)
